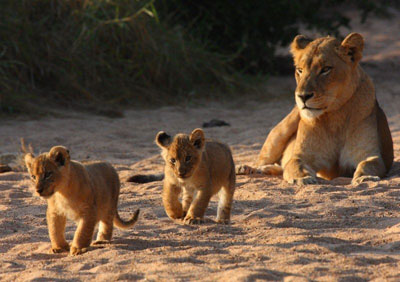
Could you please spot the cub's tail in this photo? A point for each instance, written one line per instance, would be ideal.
(120, 223)
(271, 169)
(142, 178)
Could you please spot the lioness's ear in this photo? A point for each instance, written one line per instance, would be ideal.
(163, 140)
(352, 47)
(28, 160)
(59, 155)
(299, 42)
(197, 138)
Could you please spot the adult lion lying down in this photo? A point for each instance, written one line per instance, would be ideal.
(337, 127)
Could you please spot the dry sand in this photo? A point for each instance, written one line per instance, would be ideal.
(326, 232)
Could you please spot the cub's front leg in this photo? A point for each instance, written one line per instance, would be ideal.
(56, 225)
(170, 198)
(195, 214)
(83, 234)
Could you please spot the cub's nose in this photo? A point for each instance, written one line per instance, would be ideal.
(305, 96)
(181, 172)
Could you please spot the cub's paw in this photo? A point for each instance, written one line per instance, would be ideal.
(244, 170)
(57, 250)
(193, 220)
(223, 221)
(74, 251)
(305, 180)
(364, 178)
(101, 242)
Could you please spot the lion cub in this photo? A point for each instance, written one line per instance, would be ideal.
(86, 193)
(193, 164)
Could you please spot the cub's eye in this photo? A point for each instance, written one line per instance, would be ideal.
(326, 70)
(33, 177)
(172, 161)
(188, 158)
(299, 71)
(48, 175)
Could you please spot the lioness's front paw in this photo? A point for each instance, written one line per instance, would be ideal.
(364, 178)
(74, 251)
(193, 220)
(305, 180)
(245, 170)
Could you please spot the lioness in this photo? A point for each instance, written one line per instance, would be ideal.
(86, 193)
(193, 164)
(337, 127)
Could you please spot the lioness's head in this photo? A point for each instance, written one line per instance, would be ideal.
(183, 152)
(326, 72)
(47, 170)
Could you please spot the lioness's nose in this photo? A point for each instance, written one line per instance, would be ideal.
(305, 96)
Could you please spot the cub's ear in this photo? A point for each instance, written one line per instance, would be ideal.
(299, 42)
(163, 140)
(351, 47)
(59, 155)
(28, 160)
(197, 138)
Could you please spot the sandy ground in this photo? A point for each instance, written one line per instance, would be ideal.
(323, 232)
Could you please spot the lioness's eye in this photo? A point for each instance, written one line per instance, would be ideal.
(172, 161)
(188, 158)
(326, 70)
(33, 177)
(299, 71)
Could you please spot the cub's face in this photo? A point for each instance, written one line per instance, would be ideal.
(325, 72)
(47, 170)
(182, 153)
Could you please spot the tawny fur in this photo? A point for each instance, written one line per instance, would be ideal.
(337, 127)
(197, 169)
(86, 193)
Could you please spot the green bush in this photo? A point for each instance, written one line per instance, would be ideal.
(110, 51)
(253, 29)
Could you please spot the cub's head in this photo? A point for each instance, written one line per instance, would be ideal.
(326, 72)
(183, 152)
(48, 170)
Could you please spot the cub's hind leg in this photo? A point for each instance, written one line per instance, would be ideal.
(106, 226)
(56, 225)
(225, 203)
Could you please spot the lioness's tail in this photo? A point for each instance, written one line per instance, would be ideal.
(142, 178)
(271, 169)
(120, 223)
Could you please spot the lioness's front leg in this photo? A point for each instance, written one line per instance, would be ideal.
(371, 169)
(278, 139)
(56, 224)
(170, 198)
(197, 209)
(83, 234)
(296, 172)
